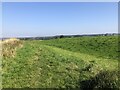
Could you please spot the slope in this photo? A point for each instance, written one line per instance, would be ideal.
(37, 65)
(99, 46)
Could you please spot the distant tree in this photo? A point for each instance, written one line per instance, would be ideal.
(61, 36)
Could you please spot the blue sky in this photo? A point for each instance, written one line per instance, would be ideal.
(49, 18)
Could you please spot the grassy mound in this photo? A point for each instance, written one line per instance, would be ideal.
(61, 64)
(101, 46)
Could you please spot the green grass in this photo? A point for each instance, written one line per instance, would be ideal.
(101, 46)
(63, 63)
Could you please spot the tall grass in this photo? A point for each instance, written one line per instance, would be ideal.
(9, 47)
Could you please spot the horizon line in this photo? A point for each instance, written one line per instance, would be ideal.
(60, 35)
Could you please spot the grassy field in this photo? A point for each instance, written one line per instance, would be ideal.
(84, 62)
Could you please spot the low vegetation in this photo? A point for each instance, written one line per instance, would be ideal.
(84, 62)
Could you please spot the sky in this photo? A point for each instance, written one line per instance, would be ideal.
(0, 19)
(24, 19)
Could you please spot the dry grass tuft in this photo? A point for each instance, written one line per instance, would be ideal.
(9, 47)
